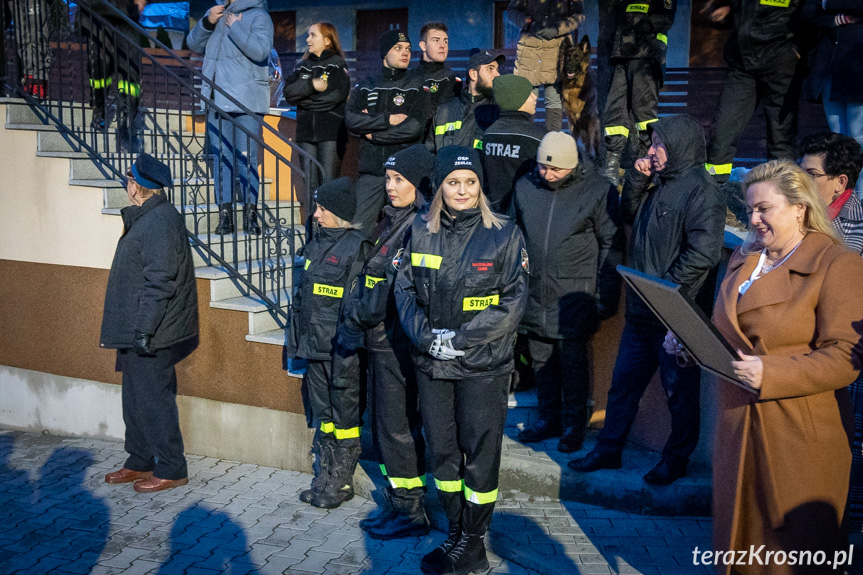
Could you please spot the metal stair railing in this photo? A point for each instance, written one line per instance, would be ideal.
(156, 99)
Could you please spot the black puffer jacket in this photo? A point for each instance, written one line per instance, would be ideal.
(509, 152)
(320, 115)
(574, 242)
(393, 92)
(641, 28)
(331, 269)
(678, 224)
(372, 306)
(440, 83)
(837, 56)
(462, 122)
(469, 279)
(151, 287)
(764, 32)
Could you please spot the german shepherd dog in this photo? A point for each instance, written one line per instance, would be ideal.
(578, 92)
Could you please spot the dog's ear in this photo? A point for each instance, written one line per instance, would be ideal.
(585, 44)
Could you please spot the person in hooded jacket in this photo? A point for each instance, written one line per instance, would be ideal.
(235, 38)
(569, 215)
(371, 310)
(389, 113)
(678, 220)
(332, 378)
(460, 293)
(151, 319)
(319, 89)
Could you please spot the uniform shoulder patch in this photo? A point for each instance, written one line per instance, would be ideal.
(525, 261)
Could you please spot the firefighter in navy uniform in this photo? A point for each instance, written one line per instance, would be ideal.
(371, 309)
(638, 56)
(332, 382)
(114, 67)
(762, 55)
(463, 121)
(389, 113)
(460, 293)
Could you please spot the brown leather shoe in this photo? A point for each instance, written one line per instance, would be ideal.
(126, 476)
(155, 484)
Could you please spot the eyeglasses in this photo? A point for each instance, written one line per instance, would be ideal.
(817, 175)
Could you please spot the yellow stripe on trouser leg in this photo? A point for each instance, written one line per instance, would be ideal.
(129, 88)
(349, 433)
(98, 84)
(718, 169)
(480, 497)
(407, 482)
(449, 486)
(328, 427)
(617, 131)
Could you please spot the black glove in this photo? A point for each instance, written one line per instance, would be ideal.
(547, 33)
(349, 338)
(141, 345)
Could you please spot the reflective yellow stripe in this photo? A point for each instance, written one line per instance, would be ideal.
(350, 433)
(384, 469)
(448, 127)
(662, 38)
(308, 263)
(371, 281)
(329, 291)
(328, 427)
(643, 8)
(776, 3)
(477, 144)
(100, 83)
(718, 169)
(643, 125)
(407, 483)
(449, 486)
(130, 88)
(477, 303)
(617, 131)
(479, 497)
(426, 261)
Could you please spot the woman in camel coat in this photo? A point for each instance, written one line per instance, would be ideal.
(782, 457)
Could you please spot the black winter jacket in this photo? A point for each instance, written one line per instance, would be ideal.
(462, 122)
(440, 83)
(372, 306)
(764, 33)
(678, 224)
(838, 54)
(509, 152)
(151, 287)
(320, 115)
(641, 28)
(331, 268)
(393, 92)
(467, 278)
(575, 241)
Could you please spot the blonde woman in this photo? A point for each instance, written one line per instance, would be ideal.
(461, 292)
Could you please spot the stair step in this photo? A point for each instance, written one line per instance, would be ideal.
(19, 115)
(272, 337)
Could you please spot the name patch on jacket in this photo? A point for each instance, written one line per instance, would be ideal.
(776, 3)
(480, 303)
(643, 8)
(371, 281)
(505, 150)
(487, 267)
(332, 259)
(328, 291)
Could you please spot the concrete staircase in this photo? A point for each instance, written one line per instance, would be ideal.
(166, 142)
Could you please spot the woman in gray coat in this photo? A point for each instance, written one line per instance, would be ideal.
(235, 38)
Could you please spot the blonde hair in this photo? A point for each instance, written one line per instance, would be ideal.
(799, 189)
(489, 218)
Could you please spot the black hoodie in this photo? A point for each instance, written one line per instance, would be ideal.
(678, 222)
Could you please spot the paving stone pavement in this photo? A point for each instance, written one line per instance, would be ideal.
(58, 516)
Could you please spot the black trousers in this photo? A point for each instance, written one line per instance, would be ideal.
(371, 197)
(464, 423)
(153, 439)
(334, 401)
(398, 425)
(330, 157)
(777, 89)
(562, 371)
(638, 356)
(113, 62)
(633, 99)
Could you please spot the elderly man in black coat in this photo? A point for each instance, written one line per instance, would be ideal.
(151, 319)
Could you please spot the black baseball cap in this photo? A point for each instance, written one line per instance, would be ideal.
(483, 57)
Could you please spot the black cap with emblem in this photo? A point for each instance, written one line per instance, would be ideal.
(390, 38)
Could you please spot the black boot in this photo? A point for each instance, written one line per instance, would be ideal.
(323, 446)
(433, 562)
(226, 220)
(250, 220)
(340, 485)
(410, 516)
(129, 124)
(382, 514)
(611, 170)
(553, 119)
(468, 557)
